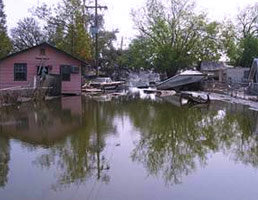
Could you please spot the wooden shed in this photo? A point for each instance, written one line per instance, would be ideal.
(24, 67)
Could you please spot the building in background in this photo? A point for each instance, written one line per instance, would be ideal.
(237, 75)
(216, 70)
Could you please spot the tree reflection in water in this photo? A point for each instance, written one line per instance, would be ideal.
(72, 133)
(80, 156)
(174, 140)
(4, 160)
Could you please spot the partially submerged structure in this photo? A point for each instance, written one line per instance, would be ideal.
(27, 67)
(253, 78)
(237, 75)
(216, 70)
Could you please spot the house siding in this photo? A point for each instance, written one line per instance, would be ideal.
(30, 57)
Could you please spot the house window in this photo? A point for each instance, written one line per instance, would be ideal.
(20, 71)
(42, 52)
(65, 72)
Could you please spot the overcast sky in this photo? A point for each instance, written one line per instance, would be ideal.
(118, 14)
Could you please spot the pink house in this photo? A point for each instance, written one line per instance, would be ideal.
(21, 69)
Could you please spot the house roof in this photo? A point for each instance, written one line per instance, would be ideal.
(43, 44)
(212, 66)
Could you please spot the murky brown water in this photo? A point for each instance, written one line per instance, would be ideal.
(77, 148)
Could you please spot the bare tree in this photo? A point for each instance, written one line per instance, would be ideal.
(248, 21)
(27, 34)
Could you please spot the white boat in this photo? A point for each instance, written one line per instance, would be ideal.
(184, 78)
(105, 83)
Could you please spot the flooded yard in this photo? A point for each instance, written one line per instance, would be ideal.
(122, 148)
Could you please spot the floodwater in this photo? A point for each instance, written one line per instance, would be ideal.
(127, 148)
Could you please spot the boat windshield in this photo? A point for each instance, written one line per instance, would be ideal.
(191, 72)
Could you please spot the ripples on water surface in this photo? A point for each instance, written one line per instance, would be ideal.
(78, 148)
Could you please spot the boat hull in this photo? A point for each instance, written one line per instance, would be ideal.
(178, 81)
(107, 86)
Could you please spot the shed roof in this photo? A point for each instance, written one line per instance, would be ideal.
(43, 44)
(212, 66)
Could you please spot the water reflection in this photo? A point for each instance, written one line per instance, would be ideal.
(72, 132)
(172, 141)
(4, 160)
(80, 156)
(41, 124)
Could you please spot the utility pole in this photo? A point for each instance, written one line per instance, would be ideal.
(96, 31)
(122, 43)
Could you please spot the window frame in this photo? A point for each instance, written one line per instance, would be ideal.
(16, 71)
